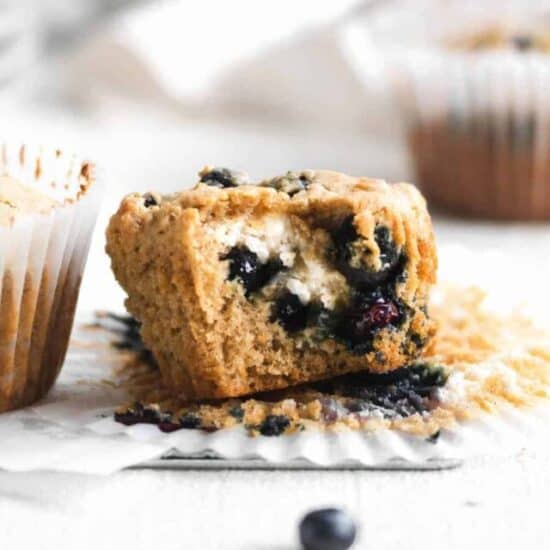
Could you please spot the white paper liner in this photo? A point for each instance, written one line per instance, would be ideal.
(42, 257)
(477, 123)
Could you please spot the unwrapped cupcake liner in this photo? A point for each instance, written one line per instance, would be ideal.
(79, 414)
(477, 122)
(73, 428)
(42, 257)
(509, 432)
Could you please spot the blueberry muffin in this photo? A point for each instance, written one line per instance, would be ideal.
(483, 153)
(246, 287)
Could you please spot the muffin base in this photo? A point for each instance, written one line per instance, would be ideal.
(474, 174)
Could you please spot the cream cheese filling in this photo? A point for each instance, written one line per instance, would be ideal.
(307, 273)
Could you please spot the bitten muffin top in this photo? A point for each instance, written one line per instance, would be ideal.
(17, 199)
(321, 197)
(222, 193)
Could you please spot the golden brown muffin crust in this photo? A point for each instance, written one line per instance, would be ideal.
(212, 338)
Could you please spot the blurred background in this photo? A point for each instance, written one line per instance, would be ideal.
(152, 90)
(260, 86)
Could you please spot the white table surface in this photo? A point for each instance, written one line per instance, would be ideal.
(487, 503)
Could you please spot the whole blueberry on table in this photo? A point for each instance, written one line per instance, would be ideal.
(327, 529)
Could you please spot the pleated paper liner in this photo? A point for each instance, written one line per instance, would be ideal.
(42, 257)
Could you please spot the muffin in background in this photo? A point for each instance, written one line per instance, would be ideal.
(470, 81)
(485, 162)
(472, 167)
(48, 207)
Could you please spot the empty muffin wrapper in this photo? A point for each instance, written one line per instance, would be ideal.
(42, 257)
(73, 429)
